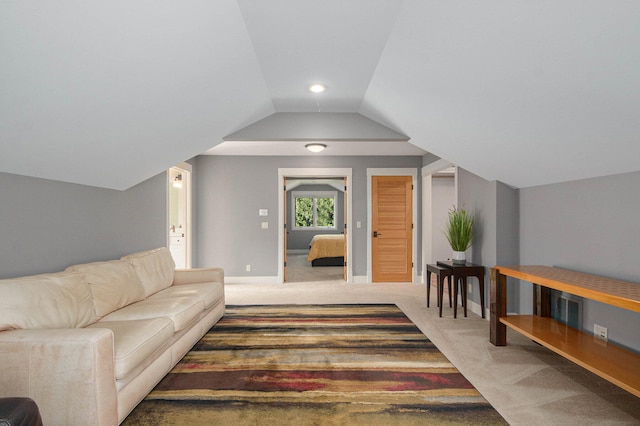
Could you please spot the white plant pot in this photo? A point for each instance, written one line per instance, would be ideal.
(459, 257)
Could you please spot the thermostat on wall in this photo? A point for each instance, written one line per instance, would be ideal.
(263, 212)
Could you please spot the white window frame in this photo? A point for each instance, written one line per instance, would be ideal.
(314, 195)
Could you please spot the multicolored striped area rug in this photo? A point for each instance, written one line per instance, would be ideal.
(314, 365)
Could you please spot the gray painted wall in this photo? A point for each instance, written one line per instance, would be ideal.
(300, 239)
(232, 189)
(495, 209)
(588, 225)
(591, 226)
(48, 225)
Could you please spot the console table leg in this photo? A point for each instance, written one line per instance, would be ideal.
(481, 285)
(440, 290)
(428, 287)
(498, 308)
(464, 294)
(455, 296)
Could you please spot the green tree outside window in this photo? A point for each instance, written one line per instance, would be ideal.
(314, 212)
(304, 212)
(324, 212)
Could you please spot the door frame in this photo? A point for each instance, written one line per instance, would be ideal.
(427, 173)
(185, 169)
(314, 172)
(409, 171)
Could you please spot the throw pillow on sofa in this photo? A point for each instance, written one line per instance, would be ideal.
(155, 269)
(113, 284)
(58, 300)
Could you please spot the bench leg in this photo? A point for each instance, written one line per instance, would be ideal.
(498, 308)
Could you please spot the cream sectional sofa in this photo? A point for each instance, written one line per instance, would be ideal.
(89, 343)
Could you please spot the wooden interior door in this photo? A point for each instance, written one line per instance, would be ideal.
(392, 225)
(284, 273)
(344, 201)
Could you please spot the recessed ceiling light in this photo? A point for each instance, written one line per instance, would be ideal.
(315, 147)
(317, 88)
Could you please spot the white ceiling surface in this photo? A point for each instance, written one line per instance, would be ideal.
(111, 93)
(334, 148)
(344, 133)
(316, 126)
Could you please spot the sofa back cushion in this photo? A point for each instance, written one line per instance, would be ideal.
(113, 284)
(155, 269)
(59, 300)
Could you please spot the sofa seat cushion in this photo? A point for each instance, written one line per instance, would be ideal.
(155, 269)
(209, 293)
(59, 300)
(113, 284)
(180, 310)
(135, 341)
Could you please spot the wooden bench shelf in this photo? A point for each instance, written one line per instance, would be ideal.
(611, 362)
(607, 360)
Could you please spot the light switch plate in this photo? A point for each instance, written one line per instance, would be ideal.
(265, 225)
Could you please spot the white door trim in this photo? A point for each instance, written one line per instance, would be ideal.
(186, 169)
(314, 172)
(427, 209)
(413, 172)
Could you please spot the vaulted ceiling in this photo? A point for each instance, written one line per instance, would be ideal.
(110, 93)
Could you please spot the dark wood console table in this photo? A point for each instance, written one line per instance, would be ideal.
(611, 362)
(460, 273)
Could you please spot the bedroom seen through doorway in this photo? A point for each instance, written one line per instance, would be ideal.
(315, 229)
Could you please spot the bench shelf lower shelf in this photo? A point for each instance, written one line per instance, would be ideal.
(609, 361)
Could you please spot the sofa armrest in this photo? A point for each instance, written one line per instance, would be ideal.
(198, 275)
(68, 372)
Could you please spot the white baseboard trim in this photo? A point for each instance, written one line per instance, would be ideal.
(476, 309)
(356, 279)
(251, 280)
(298, 251)
(471, 306)
(362, 279)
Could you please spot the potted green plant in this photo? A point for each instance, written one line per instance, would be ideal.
(459, 233)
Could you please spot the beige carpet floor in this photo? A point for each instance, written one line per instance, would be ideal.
(526, 383)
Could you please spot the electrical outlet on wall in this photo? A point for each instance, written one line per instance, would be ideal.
(469, 288)
(600, 332)
(248, 268)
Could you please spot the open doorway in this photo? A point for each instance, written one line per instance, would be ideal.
(315, 236)
(311, 188)
(179, 215)
(439, 194)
